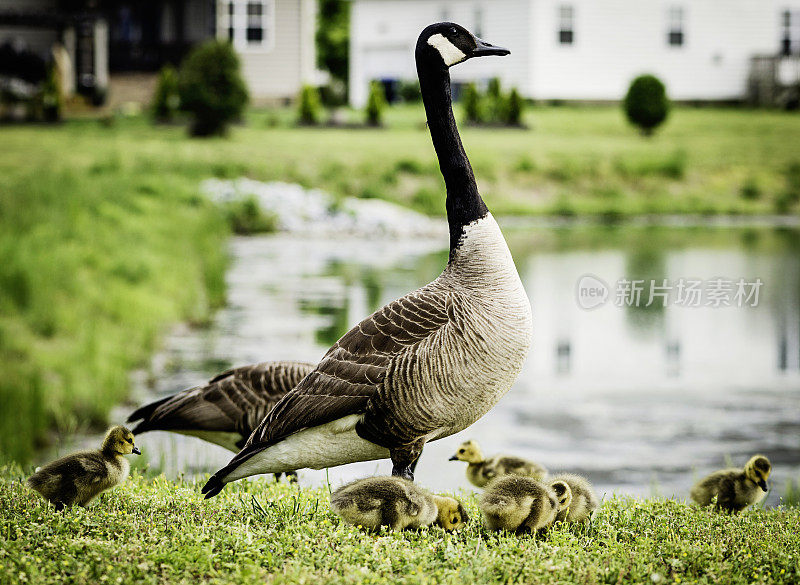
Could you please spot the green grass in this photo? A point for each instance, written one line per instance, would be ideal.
(157, 531)
(104, 239)
(96, 260)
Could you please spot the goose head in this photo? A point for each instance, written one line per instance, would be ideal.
(563, 495)
(470, 452)
(452, 515)
(119, 441)
(447, 44)
(757, 470)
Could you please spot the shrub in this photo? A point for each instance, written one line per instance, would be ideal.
(646, 104)
(52, 102)
(211, 88)
(750, 189)
(410, 92)
(376, 104)
(166, 100)
(495, 101)
(512, 108)
(472, 103)
(245, 216)
(308, 106)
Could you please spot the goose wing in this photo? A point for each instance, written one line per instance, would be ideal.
(355, 369)
(234, 401)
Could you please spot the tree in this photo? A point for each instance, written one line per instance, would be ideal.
(211, 87)
(376, 103)
(333, 38)
(646, 104)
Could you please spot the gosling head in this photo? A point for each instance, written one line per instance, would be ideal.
(447, 44)
(469, 452)
(452, 515)
(563, 495)
(757, 470)
(119, 441)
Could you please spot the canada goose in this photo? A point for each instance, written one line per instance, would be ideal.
(734, 488)
(583, 502)
(395, 502)
(523, 504)
(481, 471)
(227, 409)
(428, 364)
(82, 476)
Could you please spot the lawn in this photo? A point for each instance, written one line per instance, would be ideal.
(151, 530)
(105, 240)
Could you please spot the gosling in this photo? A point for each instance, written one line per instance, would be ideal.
(481, 471)
(395, 502)
(82, 476)
(523, 504)
(735, 489)
(584, 500)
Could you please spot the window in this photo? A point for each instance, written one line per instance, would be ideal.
(566, 24)
(675, 17)
(250, 25)
(790, 33)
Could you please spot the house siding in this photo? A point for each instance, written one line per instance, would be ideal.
(280, 69)
(614, 41)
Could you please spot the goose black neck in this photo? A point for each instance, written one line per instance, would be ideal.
(464, 204)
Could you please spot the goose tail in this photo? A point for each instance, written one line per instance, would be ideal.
(213, 486)
(143, 414)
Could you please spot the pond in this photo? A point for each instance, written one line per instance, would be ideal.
(641, 395)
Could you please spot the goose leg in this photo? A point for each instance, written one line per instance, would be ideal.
(404, 459)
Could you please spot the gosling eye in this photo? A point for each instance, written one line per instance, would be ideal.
(455, 520)
(461, 450)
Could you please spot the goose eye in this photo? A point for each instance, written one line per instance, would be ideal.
(453, 31)
(461, 450)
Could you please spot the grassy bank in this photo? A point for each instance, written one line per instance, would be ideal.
(96, 260)
(104, 239)
(156, 531)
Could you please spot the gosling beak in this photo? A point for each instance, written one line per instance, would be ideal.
(482, 48)
(763, 485)
(453, 458)
(136, 451)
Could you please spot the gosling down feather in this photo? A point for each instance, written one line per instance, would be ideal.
(481, 471)
(734, 489)
(584, 501)
(80, 477)
(395, 502)
(523, 504)
(428, 364)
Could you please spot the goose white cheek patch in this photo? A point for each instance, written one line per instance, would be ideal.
(449, 52)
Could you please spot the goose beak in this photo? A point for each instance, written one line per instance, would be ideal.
(136, 451)
(453, 458)
(482, 48)
(763, 485)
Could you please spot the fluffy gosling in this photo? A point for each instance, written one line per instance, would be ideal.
(82, 476)
(523, 504)
(584, 500)
(735, 489)
(481, 471)
(395, 502)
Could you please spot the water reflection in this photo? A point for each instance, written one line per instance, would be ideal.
(638, 398)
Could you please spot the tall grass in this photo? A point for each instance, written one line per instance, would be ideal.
(94, 264)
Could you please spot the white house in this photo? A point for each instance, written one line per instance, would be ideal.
(585, 49)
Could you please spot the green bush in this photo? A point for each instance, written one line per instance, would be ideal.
(750, 189)
(52, 102)
(211, 88)
(246, 217)
(471, 100)
(646, 104)
(376, 104)
(308, 106)
(410, 91)
(512, 108)
(166, 100)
